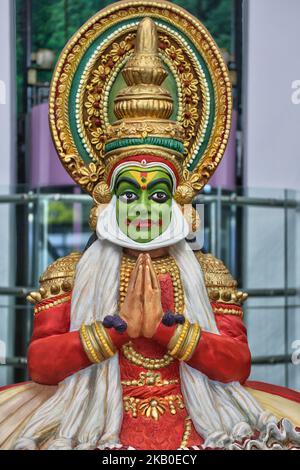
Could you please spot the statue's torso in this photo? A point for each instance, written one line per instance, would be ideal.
(154, 410)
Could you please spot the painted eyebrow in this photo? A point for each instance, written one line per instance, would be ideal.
(160, 180)
(125, 179)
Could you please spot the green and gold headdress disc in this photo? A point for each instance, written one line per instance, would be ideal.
(141, 78)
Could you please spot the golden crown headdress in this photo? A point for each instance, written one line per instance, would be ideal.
(141, 77)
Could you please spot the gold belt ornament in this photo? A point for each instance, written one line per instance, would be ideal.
(151, 379)
(153, 407)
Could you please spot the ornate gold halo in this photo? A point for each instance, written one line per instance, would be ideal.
(87, 77)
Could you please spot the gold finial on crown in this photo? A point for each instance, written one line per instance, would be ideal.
(145, 66)
(144, 73)
(143, 108)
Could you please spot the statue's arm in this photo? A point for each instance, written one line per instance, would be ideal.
(224, 357)
(54, 352)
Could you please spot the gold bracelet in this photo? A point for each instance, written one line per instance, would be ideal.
(174, 339)
(107, 343)
(181, 338)
(186, 342)
(93, 340)
(103, 340)
(187, 353)
(88, 347)
(99, 343)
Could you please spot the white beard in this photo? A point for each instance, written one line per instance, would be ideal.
(86, 411)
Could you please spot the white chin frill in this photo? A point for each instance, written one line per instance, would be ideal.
(108, 229)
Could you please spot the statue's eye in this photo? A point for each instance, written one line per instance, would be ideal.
(128, 197)
(159, 196)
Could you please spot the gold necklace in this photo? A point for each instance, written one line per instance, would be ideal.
(162, 265)
(148, 363)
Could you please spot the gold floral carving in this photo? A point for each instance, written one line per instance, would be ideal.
(150, 378)
(186, 433)
(153, 408)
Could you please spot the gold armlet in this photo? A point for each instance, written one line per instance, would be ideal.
(90, 345)
(184, 341)
(103, 340)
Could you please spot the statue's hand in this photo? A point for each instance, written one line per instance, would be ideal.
(132, 307)
(152, 308)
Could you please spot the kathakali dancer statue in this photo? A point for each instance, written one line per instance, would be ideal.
(139, 342)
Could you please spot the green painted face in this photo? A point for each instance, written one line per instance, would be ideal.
(144, 199)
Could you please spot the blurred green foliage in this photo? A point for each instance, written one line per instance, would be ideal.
(54, 22)
(61, 213)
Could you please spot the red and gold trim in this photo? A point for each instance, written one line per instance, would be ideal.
(53, 302)
(226, 309)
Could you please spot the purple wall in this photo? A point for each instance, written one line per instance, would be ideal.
(46, 169)
(224, 176)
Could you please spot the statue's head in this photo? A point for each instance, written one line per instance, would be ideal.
(143, 212)
(144, 202)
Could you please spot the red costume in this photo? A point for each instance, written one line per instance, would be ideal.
(55, 353)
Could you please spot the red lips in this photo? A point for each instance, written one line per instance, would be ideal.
(143, 224)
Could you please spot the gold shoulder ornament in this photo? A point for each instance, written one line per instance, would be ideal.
(57, 279)
(220, 284)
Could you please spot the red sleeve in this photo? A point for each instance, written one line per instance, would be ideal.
(225, 357)
(54, 352)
